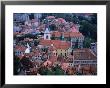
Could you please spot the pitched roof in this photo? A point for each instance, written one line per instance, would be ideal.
(68, 34)
(53, 59)
(56, 34)
(20, 48)
(56, 43)
(74, 29)
(61, 20)
(84, 54)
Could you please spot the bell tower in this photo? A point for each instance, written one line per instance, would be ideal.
(47, 34)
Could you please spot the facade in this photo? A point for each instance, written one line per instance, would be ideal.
(73, 37)
(47, 34)
(84, 57)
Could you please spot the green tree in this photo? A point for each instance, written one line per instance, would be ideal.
(49, 72)
(16, 65)
(58, 71)
(87, 42)
(53, 37)
(88, 29)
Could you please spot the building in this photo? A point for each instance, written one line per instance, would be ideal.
(73, 37)
(19, 50)
(94, 47)
(84, 57)
(47, 34)
(59, 47)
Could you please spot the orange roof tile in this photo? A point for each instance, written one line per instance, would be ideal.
(61, 20)
(56, 34)
(21, 48)
(84, 54)
(53, 59)
(56, 43)
(68, 34)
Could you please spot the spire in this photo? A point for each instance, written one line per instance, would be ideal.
(27, 49)
(47, 34)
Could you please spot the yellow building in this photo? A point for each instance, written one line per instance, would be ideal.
(60, 47)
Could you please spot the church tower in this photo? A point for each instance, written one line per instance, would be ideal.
(47, 34)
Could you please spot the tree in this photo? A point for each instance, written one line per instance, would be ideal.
(53, 37)
(36, 42)
(49, 72)
(87, 42)
(88, 29)
(16, 65)
(58, 70)
(26, 63)
(94, 18)
(52, 27)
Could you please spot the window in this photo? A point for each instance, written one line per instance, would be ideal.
(47, 37)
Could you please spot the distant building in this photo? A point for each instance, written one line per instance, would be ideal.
(27, 51)
(60, 47)
(21, 17)
(84, 57)
(47, 34)
(37, 15)
(19, 51)
(73, 37)
(94, 47)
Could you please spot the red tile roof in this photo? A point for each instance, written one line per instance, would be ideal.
(68, 34)
(53, 59)
(61, 20)
(74, 29)
(20, 56)
(20, 47)
(84, 54)
(56, 43)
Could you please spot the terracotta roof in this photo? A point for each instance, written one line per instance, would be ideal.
(53, 59)
(84, 54)
(47, 63)
(61, 20)
(56, 34)
(21, 48)
(74, 29)
(68, 34)
(56, 43)
(52, 48)
(20, 56)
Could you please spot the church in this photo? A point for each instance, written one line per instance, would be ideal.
(72, 37)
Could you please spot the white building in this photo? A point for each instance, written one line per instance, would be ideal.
(47, 34)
